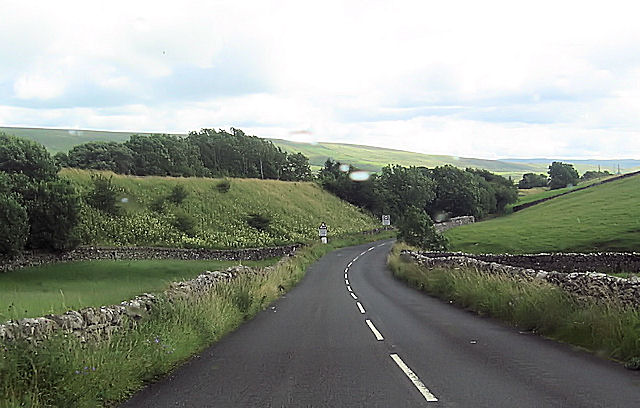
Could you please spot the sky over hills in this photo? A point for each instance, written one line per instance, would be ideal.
(476, 79)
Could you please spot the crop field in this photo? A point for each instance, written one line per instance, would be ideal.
(56, 288)
(602, 218)
(217, 219)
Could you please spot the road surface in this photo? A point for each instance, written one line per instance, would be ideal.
(350, 335)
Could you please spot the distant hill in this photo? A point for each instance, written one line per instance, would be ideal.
(364, 157)
(605, 164)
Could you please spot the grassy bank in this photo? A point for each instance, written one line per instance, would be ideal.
(56, 288)
(66, 373)
(601, 218)
(609, 330)
(209, 218)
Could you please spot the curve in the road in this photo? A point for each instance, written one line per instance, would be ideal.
(350, 335)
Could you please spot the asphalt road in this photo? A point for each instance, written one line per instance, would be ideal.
(349, 335)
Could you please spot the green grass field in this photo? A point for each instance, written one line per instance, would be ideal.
(56, 288)
(220, 219)
(538, 193)
(602, 218)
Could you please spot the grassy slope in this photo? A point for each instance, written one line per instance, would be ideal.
(601, 218)
(56, 288)
(374, 158)
(296, 209)
(533, 194)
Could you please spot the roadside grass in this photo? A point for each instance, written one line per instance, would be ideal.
(606, 328)
(601, 218)
(56, 288)
(219, 220)
(65, 372)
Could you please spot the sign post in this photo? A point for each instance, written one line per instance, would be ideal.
(386, 220)
(322, 232)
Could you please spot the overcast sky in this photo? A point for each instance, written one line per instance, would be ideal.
(486, 79)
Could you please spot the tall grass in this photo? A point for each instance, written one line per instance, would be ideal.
(608, 329)
(62, 372)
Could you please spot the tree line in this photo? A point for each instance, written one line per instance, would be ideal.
(441, 192)
(205, 153)
(560, 175)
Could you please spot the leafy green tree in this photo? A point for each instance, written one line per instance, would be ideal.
(54, 214)
(110, 156)
(590, 175)
(562, 175)
(24, 156)
(397, 188)
(416, 228)
(296, 168)
(104, 194)
(14, 225)
(531, 180)
(458, 193)
(503, 190)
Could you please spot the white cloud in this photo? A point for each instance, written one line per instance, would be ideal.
(468, 78)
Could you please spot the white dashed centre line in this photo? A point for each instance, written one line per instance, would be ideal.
(414, 379)
(360, 307)
(374, 330)
(349, 265)
(349, 288)
(345, 276)
(353, 296)
(346, 281)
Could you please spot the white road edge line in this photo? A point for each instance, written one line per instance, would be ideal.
(353, 296)
(414, 379)
(360, 307)
(374, 330)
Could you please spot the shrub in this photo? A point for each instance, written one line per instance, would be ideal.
(416, 228)
(259, 221)
(158, 205)
(103, 196)
(178, 194)
(27, 157)
(14, 225)
(54, 214)
(223, 186)
(185, 223)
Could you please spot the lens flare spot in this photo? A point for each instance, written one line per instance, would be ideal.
(359, 176)
(344, 168)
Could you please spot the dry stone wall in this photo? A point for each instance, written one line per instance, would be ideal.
(454, 222)
(95, 323)
(132, 253)
(583, 284)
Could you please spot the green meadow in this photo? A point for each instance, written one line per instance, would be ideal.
(56, 288)
(216, 219)
(601, 218)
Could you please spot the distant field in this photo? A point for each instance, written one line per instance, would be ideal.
(56, 288)
(219, 220)
(534, 194)
(601, 218)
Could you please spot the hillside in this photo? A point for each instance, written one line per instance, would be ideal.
(213, 219)
(374, 158)
(601, 218)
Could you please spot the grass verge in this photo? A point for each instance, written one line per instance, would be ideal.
(64, 372)
(607, 329)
